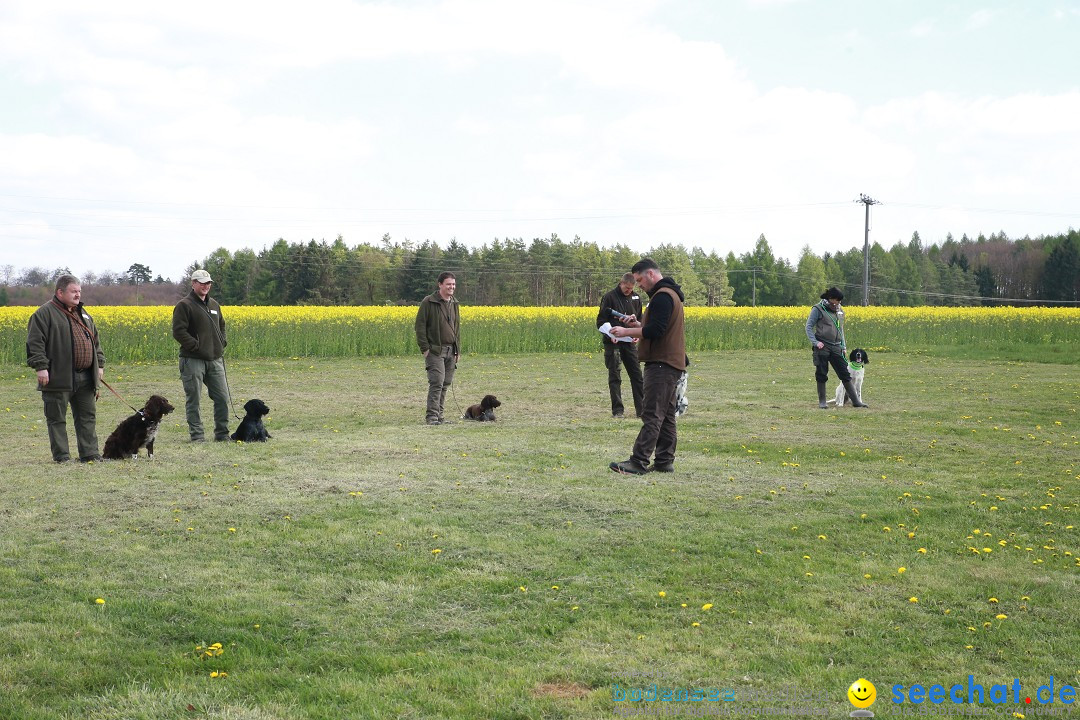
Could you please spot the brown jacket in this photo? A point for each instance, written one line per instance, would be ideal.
(669, 348)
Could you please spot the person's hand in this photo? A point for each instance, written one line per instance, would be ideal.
(426, 353)
(820, 345)
(633, 322)
(101, 373)
(43, 377)
(617, 331)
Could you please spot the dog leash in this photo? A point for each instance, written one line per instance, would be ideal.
(118, 395)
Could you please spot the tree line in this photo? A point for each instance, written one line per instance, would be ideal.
(550, 271)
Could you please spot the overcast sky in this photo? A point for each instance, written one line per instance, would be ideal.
(157, 132)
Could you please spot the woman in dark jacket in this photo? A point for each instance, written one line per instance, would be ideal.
(825, 328)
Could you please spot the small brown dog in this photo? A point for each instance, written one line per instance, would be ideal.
(485, 411)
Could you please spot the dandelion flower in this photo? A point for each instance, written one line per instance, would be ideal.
(662, 593)
(707, 606)
(436, 551)
(913, 599)
(901, 570)
(696, 624)
(100, 601)
(922, 551)
(867, 576)
(1001, 616)
(554, 587)
(822, 537)
(993, 600)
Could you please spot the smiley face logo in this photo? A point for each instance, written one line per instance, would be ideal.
(862, 693)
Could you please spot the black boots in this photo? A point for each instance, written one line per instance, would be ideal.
(856, 401)
(821, 396)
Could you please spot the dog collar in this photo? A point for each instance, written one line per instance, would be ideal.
(855, 365)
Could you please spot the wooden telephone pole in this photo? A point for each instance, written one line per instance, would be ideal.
(867, 201)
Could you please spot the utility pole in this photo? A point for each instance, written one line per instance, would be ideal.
(754, 270)
(867, 201)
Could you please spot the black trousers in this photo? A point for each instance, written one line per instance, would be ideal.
(625, 353)
(834, 356)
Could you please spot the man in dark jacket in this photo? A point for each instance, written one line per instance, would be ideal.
(199, 327)
(624, 300)
(663, 350)
(62, 346)
(437, 327)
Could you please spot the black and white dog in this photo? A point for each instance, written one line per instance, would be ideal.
(137, 431)
(484, 410)
(857, 360)
(251, 428)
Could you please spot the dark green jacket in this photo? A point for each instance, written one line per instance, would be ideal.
(49, 345)
(429, 324)
(199, 327)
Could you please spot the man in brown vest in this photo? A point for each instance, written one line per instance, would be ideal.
(663, 350)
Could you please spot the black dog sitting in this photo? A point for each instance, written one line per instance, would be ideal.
(138, 431)
(485, 411)
(251, 427)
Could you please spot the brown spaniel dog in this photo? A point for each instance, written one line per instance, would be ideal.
(485, 411)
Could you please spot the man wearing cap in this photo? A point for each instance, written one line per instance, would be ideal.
(62, 346)
(199, 327)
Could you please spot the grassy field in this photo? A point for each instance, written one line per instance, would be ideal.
(364, 565)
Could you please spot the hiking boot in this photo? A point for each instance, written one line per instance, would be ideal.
(629, 467)
(855, 400)
(434, 421)
(662, 467)
(821, 396)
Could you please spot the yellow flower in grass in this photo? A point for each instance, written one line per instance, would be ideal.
(992, 600)
(922, 551)
(662, 593)
(1001, 616)
(707, 606)
(100, 601)
(901, 570)
(913, 600)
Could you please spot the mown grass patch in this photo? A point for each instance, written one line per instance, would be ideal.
(312, 559)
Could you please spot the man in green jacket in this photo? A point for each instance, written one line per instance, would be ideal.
(437, 326)
(62, 347)
(199, 327)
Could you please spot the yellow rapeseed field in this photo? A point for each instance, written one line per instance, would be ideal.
(143, 334)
